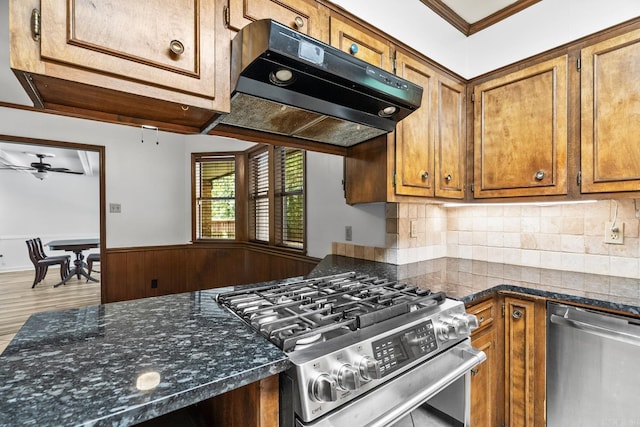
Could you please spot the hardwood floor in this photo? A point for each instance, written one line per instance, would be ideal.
(18, 301)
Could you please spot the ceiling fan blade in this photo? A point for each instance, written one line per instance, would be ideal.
(16, 167)
(64, 170)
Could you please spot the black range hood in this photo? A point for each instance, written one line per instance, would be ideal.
(287, 83)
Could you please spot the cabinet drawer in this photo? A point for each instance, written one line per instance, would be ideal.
(485, 312)
(305, 16)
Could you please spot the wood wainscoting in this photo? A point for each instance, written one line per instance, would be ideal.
(141, 272)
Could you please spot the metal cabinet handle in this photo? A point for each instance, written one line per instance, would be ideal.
(539, 175)
(353, 48)
(517, 314)
(481, 319)
(298, 22)
(176, 47)
(448, 178)
(425, 175)
(475, 371)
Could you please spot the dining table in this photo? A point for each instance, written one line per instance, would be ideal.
(76, 246)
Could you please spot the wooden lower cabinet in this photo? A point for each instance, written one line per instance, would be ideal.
(486, 394)
(254, 405)
(524, 361)
(508, 389)
(484, 382)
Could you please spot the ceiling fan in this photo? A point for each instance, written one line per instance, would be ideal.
(40, 169)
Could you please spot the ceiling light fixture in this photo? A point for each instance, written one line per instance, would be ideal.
(387, 111)
(40, 175)
(466, 205)
(281, 77)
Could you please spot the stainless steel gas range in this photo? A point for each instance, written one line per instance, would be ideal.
(366, 351)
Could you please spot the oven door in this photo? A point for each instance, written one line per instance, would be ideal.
(436, 389)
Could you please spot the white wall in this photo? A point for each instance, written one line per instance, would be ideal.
(328, 214)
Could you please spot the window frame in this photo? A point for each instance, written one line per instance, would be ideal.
(274, 239)
(198, 157)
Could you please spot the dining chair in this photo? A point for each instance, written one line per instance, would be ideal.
(91, 258)
(41, 261)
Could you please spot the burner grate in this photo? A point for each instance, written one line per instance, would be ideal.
(293, 314)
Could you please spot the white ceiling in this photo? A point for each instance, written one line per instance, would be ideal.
(474, 10)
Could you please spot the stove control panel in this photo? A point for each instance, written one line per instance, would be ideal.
(327, 375)
(395, 351)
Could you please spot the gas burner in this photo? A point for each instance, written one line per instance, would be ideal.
(308, 341)
(293, 314)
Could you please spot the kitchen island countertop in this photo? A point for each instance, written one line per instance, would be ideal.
(91, 366)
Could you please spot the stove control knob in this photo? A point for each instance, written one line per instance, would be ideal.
(464, 323)
(369, 368)
(348, 377)
(323, 388)
(445, 329)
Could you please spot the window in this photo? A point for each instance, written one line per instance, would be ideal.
(215, 197)
(277, 197)
(259, 196)
(289, 197)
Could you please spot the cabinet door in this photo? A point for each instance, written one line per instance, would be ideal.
(414, 135)
(484, 381)
(306, 16)
(360, 43)
(163, 44)
(450, 141)
(520, 132)
(610, 108)
(520, 369)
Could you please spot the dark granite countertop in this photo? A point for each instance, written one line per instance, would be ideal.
(81, 367)
(472, 281)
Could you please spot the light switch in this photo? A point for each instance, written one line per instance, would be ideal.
(114, 208)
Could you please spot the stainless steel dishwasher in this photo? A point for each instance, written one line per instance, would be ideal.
(593, 368)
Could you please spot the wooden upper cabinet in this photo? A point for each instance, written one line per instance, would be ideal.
(305, 16)
(159, 43)
(415, 134)
(359, 42)
(131, 61)
(430, 143)
(520, 132)
(610, 115)
(450, 139)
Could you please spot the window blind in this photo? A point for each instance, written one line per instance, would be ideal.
(215, 188)
(259, 196)
(289, 182)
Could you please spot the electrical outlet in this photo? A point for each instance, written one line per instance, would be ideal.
(414, 228)
(348, 233)
(115, 208)
(615, 236)
(154, 283)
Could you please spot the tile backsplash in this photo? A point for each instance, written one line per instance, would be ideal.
(567, 237)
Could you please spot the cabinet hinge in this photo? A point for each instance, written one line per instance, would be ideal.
(579, 64)
(393, 180)
(579, 178)
(503, 309)
(473, 97)
(35, 24)
(472, 187)
(395, 65)
(227, 17)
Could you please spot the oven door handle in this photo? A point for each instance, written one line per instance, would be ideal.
(470, 357)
